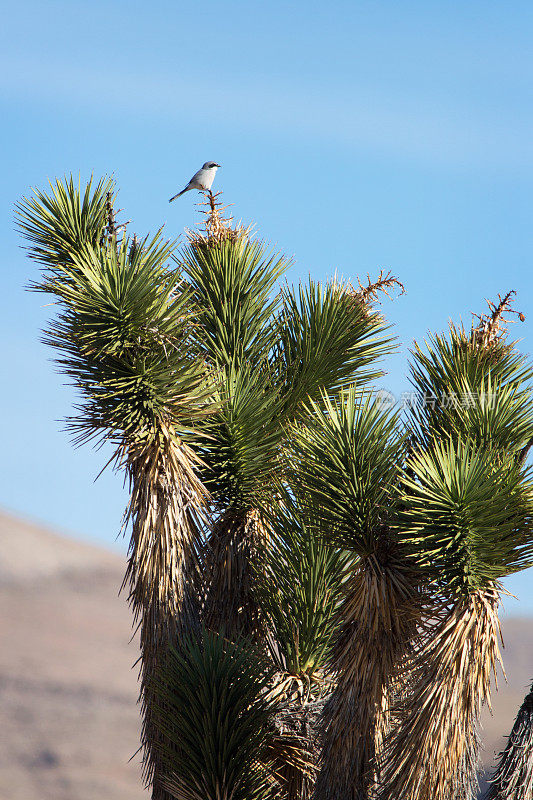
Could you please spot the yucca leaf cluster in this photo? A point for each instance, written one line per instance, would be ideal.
(470, 491)
(299, 593)
(64, 221)
(468, 516)
(123, 331)
(347, 457)
(212, 706)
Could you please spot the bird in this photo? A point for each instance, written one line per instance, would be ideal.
(201, 180)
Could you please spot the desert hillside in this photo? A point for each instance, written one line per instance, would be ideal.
(70, 722)
(69, 718)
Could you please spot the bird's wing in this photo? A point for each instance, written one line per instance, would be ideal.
(197, 178)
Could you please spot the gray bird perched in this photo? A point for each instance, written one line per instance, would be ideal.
(202, 180)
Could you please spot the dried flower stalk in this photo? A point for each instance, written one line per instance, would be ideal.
(217, 227)
(366, 295)
(492, 327)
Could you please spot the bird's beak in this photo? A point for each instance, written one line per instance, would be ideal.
(217, 165)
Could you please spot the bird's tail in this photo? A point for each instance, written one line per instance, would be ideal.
(179, 193)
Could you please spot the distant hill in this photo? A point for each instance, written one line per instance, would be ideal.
(69, 718)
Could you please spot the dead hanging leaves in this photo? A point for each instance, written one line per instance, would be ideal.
(452, 675)
(112, 228)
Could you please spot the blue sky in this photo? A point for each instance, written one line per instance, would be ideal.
(356, 135)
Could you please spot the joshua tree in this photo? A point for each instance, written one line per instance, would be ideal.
(309, 573)
(274, 357)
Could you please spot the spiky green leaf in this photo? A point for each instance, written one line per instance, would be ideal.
(467, 513)
(326, 341)
(63, 221)
(346, 464)
(214, 720)
(465, 390)
(300, 589)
